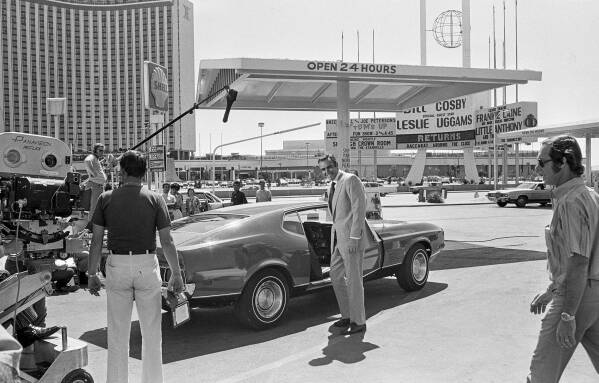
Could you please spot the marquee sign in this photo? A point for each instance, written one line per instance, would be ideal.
(504, 118)
(447, 124)
(365, 134)
(157, 158)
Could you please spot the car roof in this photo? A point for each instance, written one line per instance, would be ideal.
(270, 207)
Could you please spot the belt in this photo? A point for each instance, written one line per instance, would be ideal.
(132, 252)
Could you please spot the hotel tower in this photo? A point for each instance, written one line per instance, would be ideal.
(91, 53)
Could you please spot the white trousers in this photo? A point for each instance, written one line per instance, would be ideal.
(129, 278)
(346, 278)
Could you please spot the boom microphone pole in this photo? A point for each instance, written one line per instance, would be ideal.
(231, 97)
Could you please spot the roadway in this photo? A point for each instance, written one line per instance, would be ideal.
(471, 323)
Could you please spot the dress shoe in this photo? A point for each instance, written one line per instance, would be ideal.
(343, 322)
(27, 335)
(355, 328)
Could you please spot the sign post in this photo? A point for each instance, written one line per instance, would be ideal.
(155, 87)
(157, 161)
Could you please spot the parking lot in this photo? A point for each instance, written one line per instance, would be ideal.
(470, 323)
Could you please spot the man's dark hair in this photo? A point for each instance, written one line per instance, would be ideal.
(166, 184)
(133, 163)
(329, 157)
(96, 146)
(565, 146)
(175, 186)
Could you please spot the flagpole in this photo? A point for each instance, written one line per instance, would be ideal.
(495, 172)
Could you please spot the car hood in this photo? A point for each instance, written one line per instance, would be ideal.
(512, 190)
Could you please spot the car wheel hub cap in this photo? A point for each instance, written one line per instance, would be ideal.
(268, 299)
(419, 266)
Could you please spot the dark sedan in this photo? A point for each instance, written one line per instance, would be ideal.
(257, 256)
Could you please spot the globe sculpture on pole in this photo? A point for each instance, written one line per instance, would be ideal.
(447, 29)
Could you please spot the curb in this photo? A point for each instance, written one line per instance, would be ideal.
(425, 204)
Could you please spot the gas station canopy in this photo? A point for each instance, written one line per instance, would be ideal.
(581, 129)
(276, 84)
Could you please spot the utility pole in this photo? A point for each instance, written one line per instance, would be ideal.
(261, 125)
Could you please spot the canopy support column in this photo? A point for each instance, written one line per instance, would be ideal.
(342, 150)
(588, 169)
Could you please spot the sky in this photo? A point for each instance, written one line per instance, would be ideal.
(556, 37)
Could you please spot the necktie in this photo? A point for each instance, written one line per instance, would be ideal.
(331, 196)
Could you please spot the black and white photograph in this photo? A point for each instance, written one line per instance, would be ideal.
(314, 191)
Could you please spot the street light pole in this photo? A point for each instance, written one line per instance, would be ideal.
(253, 138)
(307, 166)
(261, 125)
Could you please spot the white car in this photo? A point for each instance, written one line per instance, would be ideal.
(213, 201)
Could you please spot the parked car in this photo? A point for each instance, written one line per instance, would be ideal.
(522, 194)
(257, 256)
(210, 199)
(376, 187)
(250, 188)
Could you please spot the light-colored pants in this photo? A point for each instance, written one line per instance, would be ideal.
(129, 278)
(10, 354)
(96, 189)
(346, 277)
(549, 360)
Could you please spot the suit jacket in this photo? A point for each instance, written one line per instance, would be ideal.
(348, 212)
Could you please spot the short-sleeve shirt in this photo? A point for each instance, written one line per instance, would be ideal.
(573, 229)
(93, 166)
(263, 196)
(238, 198)
(132, 214)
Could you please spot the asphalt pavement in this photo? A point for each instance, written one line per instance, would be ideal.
(471, 323)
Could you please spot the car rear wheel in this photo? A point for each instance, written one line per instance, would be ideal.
(264, 300)
(502, 203)
(521, 201)
(413, 272)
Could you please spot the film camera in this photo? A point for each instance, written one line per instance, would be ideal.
(37, 193)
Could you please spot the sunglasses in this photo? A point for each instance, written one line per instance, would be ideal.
(543, 162)
(328, 167)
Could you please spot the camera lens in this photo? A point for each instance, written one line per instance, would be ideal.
(50, 160)
(13, 157)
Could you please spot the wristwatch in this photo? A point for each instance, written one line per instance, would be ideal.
(567, 317)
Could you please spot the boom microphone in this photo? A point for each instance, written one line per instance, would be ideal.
(231, 97)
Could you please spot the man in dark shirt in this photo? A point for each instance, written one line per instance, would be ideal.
(237, 197)
(132, 214)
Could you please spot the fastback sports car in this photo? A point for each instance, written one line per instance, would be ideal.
(257, 256)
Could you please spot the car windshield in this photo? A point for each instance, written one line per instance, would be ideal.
(526, 185)
(205, 222)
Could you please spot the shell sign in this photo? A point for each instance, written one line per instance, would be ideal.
(155, 86)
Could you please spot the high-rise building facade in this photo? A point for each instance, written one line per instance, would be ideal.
(91, 52)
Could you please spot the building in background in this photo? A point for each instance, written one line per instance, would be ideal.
(91, 52)
(294, 161)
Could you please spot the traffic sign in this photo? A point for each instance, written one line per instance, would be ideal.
(157, 158)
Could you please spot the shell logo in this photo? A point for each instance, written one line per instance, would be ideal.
(159, 87)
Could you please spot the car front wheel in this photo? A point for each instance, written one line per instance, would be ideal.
(521, 201)
(413, 272)
(502, 203)
(264, 300)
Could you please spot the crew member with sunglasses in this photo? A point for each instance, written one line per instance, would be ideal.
(572, 298)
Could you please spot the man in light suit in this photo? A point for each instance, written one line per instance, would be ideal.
(347, 205)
